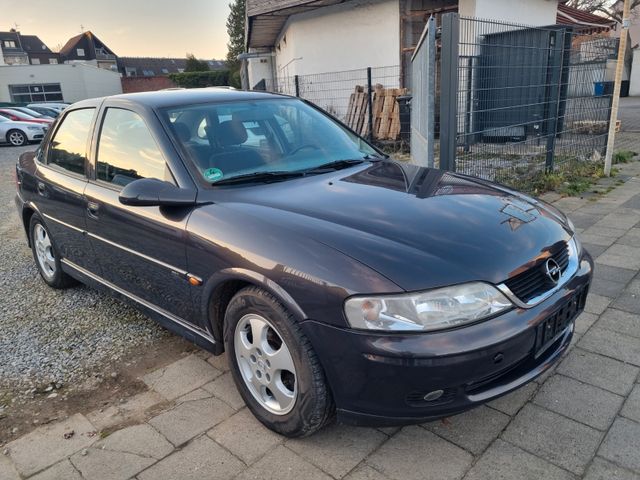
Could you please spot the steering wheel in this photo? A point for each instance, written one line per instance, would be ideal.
(308, 146)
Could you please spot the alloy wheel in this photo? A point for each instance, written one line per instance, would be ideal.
(44, 251)
(266, 364)
(16, 138)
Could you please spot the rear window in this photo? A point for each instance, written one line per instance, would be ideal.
(68, 149)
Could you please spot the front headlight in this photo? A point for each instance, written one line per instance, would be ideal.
(425, 311)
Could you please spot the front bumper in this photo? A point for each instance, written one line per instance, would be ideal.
(382, 379)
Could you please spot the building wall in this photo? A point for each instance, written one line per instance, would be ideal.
(78, 82)
(529, 12)
(145, 84)
(348, 36)
(634, 84)
(260, 68)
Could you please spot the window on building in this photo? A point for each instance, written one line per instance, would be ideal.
(9, 44)
(80, 52)
(165, 71)
(69, 145)
(48, 92)
(35, 61)
(127, 150)
(181, 70)
(53, 61)
(148, 73)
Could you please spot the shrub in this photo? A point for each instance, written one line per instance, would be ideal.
(213, 78)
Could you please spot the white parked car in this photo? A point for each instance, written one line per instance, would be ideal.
(20, 133)
(56, 106)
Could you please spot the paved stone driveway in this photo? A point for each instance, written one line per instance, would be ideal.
(581, 420)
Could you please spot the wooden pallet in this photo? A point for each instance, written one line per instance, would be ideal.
(386, 112)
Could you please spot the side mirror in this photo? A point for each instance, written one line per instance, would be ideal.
(151, 192)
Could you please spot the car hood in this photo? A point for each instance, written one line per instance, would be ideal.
(421, 228)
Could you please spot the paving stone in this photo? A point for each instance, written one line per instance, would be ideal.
(197, 394)
(337, 449)
(607, 288)
(245, 437)
(629, 300)
(622, 256)
(46, 445)
(633, 202)
(622, 444)
(225, 389)
(132, 411)
(631, 407)
(365, 472)
(584, 220)
(612, 344)
(181, 377)
(631, 238)
(98, 464)
(141, 440)
(514, 401)
(616, 274)
(602, 232)
(7, 470)
(620, 321)
(473, 430)
(584, 322)
(189, 419)
(200, 459)
(503, 461)
(603, 372)
(219, 361)
(416, 454)
(562, 441)
(63, 470)
(594, 250)
(600, 240)
(390, 431)
(620, 219)
(282, 464)
(596, 304)
(582, 402)
(601, 469)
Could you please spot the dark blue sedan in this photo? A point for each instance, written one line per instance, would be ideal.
(336, 280)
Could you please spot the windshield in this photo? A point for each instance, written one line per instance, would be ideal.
(227, 140)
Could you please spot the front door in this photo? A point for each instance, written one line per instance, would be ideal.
(141, 249)
(61, 182)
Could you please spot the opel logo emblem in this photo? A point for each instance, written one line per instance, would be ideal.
(552, 270)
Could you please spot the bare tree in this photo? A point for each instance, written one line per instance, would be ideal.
(607, 8)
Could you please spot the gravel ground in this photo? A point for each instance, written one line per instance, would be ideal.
(49, 336)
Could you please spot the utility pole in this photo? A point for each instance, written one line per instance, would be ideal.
(624, 33)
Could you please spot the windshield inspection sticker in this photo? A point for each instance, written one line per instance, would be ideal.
(213, 174)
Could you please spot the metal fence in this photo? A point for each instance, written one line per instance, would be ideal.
(528, 99)
(496, 100)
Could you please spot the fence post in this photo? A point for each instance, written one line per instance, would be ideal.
(449, 90)
(554, 76)
(296, 81)
(370, 103)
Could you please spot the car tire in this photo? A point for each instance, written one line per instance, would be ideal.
(17, 138)
(302, 403)
(46, 255)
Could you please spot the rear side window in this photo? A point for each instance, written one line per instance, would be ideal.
(69, 144)
(127, 150)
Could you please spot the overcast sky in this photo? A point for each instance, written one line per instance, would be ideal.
(141, 28)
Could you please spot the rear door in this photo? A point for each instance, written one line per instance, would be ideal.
(141, 249)
(61, 179)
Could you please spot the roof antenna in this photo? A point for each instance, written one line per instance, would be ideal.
(81, 28)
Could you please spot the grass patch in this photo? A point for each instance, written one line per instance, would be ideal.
(575, 179)
(623, 156)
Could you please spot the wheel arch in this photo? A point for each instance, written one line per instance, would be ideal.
(221, 288)
(28, 210)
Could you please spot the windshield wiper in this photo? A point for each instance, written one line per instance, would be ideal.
(259, 176)
(337, 165)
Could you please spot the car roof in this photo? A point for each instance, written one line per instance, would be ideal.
(175, 97)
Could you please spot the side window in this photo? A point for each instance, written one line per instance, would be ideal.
(69, 144)
(127, 151)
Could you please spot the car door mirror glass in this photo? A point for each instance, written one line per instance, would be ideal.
(150, 192)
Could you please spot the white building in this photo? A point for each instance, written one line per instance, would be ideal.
(56, 83)
(299, 37)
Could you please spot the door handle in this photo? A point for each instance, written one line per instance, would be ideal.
(42, 188)
(92, 209)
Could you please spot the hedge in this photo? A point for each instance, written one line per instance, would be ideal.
(201, 79)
